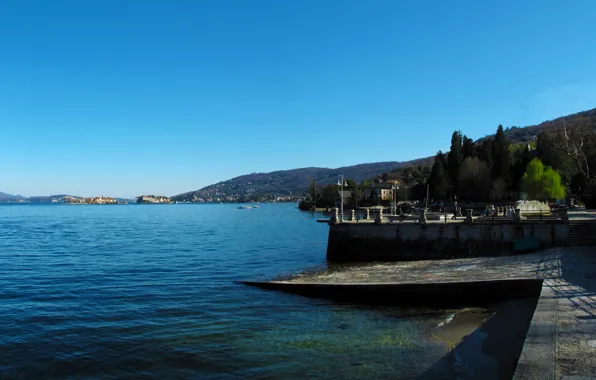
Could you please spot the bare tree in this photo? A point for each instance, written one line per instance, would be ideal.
(577, 143)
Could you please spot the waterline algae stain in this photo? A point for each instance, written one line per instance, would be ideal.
(149, 292)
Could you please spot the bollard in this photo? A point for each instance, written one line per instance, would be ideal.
(379, 216)
(469, 218)
(353, 216)
(367, 215)
(517, 216)
(422, 217)
(334, 216)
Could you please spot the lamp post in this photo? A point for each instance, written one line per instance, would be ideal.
(579, 195)
(357, 192)
(340, 182)
(394, 200)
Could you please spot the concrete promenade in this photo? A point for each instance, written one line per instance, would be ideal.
(561, 341)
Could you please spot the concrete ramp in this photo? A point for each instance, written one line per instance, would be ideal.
(561, 340)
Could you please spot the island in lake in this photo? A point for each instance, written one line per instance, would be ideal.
(92, 201)
(152, 199)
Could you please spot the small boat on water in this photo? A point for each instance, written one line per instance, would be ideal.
(243, 207)
(255, 206)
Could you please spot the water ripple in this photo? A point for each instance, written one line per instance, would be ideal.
(148, 292)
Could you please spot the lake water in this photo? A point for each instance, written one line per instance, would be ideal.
(148, 291)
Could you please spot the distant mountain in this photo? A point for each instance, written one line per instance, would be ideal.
(11, 198)
(516, 134)
(296, 181)
(290, 182)
(49, 198)
(58, 198)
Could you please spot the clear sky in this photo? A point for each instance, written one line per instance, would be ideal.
(123, 97)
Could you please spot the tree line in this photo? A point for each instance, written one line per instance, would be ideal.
(556, 164)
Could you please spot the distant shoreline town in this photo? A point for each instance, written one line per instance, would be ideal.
(142, 199)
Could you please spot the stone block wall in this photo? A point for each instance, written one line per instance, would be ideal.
(410, 241)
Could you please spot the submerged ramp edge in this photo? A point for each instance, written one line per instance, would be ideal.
(435, 295)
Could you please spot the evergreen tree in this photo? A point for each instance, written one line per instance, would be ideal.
(442, 157)
(330, 195)
(485, 152)
(351, 184)
(501, 157)
(521, 159)
(438, 180)
(468, 148)
(545, 149)
(454, 159)
(312, 191)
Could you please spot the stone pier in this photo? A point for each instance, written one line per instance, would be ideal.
(381, 241)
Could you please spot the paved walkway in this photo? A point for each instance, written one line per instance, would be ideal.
(561, 341)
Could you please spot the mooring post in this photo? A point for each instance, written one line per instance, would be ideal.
(422, 217)
(379, 216)
(367, 215)
(469, 218)
(353, 216)
(517, 217)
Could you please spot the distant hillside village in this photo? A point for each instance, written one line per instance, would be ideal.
(240, 196)
(378, 191)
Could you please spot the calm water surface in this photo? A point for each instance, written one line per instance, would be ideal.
(147, 291)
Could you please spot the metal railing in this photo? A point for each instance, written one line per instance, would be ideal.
(502, 216)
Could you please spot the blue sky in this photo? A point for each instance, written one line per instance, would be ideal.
(123, 98)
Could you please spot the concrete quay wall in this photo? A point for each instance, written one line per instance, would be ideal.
(413, 241)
